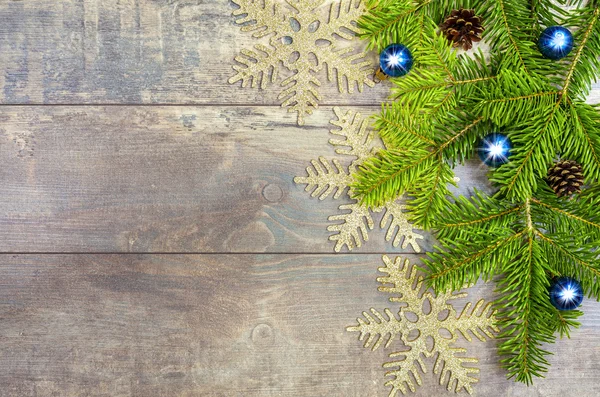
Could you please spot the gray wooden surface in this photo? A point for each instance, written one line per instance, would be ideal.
(220, 325)
(152, 242)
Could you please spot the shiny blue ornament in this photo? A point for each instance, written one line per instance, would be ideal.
(566, 293)
(494, 149)
(555, 42)
(395, 60)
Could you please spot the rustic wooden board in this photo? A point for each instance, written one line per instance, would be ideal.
(119, 133)
(221, 325)
(166, 179)
(131, 51)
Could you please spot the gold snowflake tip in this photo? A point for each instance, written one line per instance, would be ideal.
(304, 41)
(433, 314)
(325, 178)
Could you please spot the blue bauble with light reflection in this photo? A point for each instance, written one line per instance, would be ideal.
(395, 60)
(555, 42)
(566, 293)
(494, 149)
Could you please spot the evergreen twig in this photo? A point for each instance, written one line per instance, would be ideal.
(523, 235)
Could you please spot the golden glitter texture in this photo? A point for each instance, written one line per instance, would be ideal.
(325, 177)
(303, 41)
(433, 314)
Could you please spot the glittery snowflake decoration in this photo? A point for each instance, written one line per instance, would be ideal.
(436, 320)
(304, 42)
(327, 178)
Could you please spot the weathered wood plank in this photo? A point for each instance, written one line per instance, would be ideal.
(221, 325)
(165, 179)
(109, 51)
(159, 51)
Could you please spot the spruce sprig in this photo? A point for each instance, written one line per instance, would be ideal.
(421, 144)
(525, 244)
(523, 235)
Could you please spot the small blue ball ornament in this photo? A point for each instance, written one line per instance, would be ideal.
(566, 293)
(494, 149)
(555, 42)
(395, 60)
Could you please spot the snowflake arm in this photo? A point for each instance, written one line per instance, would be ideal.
(401, 369)
(256, 66)
(353, 68)
(263, 18)
(480, 321)
(341, 19)
(399, 228)
(300, 93)
(448, 362)
(357, 141)
(305, 6)
(347, 233)
(377, 328)
(322, 178)
(399, 281)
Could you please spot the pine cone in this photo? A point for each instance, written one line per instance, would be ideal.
(565, 178)
(462, 27)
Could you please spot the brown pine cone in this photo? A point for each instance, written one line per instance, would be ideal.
(565, 178)
(462, 27)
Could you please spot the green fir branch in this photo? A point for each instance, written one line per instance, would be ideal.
(584, 65)
(403, 21)
(394, 172)
(523, 235)
(583, 143)
(565, 321)
(523, 314)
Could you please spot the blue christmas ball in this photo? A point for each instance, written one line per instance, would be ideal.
(566, 293)
(494, 149)
(395, 60)
(555, 42)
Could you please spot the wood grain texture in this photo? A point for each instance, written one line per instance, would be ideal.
(96, 166)
(221, 325)
(133, 51)
(165, 179)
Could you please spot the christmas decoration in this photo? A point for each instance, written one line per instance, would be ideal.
(304, 42)
(395, 60)
(404, 285)
(325, 178)
(462, 28)
(566, 293)
(555, 42)
(494, 149)
(524, 235)
(565, 178)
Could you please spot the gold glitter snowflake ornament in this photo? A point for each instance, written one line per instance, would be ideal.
(303, 41)
(325, 177)
(436, 321)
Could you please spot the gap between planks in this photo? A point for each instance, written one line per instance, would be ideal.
(191, 104)
(205, 253)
